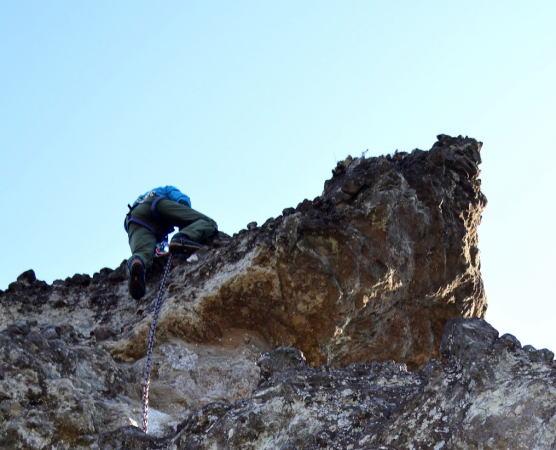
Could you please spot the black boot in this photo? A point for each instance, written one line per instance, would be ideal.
(136, 282)
(182, 245)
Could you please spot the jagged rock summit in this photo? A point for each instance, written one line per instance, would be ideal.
(351, 289)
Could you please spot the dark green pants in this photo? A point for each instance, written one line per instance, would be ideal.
(193, 224)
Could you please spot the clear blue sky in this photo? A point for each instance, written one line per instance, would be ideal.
(247, 105)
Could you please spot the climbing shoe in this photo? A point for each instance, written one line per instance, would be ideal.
(182, 245)
(136, 278)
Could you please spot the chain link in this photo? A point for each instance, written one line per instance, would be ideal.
(150, 345)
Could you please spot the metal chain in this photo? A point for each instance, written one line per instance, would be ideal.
(150, 345)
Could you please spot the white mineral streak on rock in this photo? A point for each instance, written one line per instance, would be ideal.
(160, 424)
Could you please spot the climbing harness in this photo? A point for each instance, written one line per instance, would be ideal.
(150, 345)
(161, 232)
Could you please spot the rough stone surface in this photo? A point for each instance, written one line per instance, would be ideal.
(366, 274)
(488, 393)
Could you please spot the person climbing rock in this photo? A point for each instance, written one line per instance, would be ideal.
(149, 221)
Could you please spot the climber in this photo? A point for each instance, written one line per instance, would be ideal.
(149, 221)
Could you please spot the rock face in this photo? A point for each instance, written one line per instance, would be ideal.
(489, 393)
(366, 274)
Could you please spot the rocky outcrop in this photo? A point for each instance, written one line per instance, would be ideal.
(371, 270)
(365, 274)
